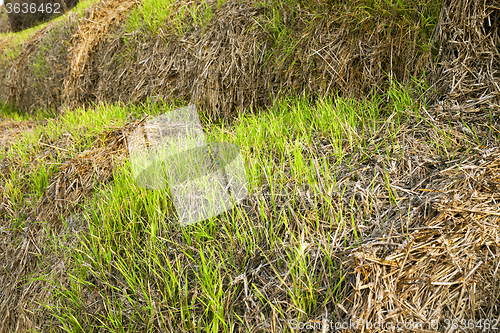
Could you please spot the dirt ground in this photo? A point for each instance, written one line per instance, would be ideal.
(10, 130)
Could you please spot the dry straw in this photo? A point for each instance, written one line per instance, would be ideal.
(441, 267)
(241, 59)
(467, 35)
(91, 29)
(66, 193)
(77, 178)
(429, 225)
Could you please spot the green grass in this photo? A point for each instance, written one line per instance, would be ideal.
(149, 273)
(173, 16)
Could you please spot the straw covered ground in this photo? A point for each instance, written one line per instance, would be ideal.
(370, 135)
(223, 55)
(400, 227)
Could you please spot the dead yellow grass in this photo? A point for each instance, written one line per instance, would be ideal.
(438, 255)
(90, 32)
(445, 267)
(76, 180)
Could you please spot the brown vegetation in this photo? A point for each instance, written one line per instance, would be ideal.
(238, 61)
(9, 130)
(90, 32)
(439, 254)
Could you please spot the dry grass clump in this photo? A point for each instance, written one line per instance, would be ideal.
(243, 55)
(34, 76)
(431, 255)
(467, 37)
(10, 130)
(78, 177)
(444, 266)
(91, 29)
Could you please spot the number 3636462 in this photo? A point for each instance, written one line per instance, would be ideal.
(33, 8)
(482, 324)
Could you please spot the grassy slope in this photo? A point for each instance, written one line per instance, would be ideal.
(130, 225)
(121, 263)
(129, 267)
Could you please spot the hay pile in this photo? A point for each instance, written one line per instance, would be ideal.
(240, 60)
(467, 37)
(237, 63)
(91, 29)
(444, 266)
